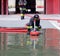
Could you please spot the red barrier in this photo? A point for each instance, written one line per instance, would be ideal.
(13, 30)
(34, 35)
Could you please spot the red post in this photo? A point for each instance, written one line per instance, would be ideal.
(6, 7)
(2, 11)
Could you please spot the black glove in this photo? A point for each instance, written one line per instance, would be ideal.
(39, 27)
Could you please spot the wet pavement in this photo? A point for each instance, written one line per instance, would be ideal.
(21, 45)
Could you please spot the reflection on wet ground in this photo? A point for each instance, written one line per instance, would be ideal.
(28, 52)
(21, 45)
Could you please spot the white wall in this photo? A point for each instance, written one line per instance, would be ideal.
(11, 3)
(39, 3)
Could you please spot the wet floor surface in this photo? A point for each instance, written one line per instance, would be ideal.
(28, 51)
(21, 45)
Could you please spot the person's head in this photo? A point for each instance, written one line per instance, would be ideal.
(36, 16)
